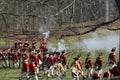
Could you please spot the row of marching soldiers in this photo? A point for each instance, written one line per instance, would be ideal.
(95, 70)
(52, 63)
(19, 51)
(16, 56)
(18, 44)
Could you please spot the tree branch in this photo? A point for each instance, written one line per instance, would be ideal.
(15, 14)
(93, 29)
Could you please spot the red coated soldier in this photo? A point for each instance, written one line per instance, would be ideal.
(25, 69)
(89, 65)
(16, 44)
(45, 61)
(15, 59)
(114, 71)
(57, 57)
(96, 75)
(32, 56)
(99, 62)
(112, 56)
(64, 59)
(33, 70)
(43, 43)
(19, 44)
(51, 66)
(25, 55)
(25, 46)
(34, 44)
(52, 59)
(36, 60)
(81, 66)
(106, 75)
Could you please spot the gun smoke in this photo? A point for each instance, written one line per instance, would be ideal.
(60, 46)
(106, 42)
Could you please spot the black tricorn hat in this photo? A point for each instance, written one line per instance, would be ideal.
(89, 53)
(100, 54)
(33, 60)
(63, 51)
(75, 58)
(79, 55)
(113, 49)
(57, 53)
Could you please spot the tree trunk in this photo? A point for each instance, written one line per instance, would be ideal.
(118, 5)
(107, 11)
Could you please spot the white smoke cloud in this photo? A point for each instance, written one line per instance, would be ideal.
(41, 30)
(61, 46)
(46, 34)
(51, 47)
(101, 43)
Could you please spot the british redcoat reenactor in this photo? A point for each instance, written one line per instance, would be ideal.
(26, 45)
(112, 57)
(57, 57)
(34, 44)
(46, 64)
(32, 70)
(43, 44)
(15, 59)
(25, 68)
(81, 65)
(89, 65)
(5, 59)
(64, 59)
(51, 65)
(106, 75)
(99, 64)
(114, 71)
(24, 55)
(20, 44)
(40, 58)
(45, 61)
(95, 75)
(99, 61)
(31, 55)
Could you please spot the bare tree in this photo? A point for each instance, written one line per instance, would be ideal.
(27, 16)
